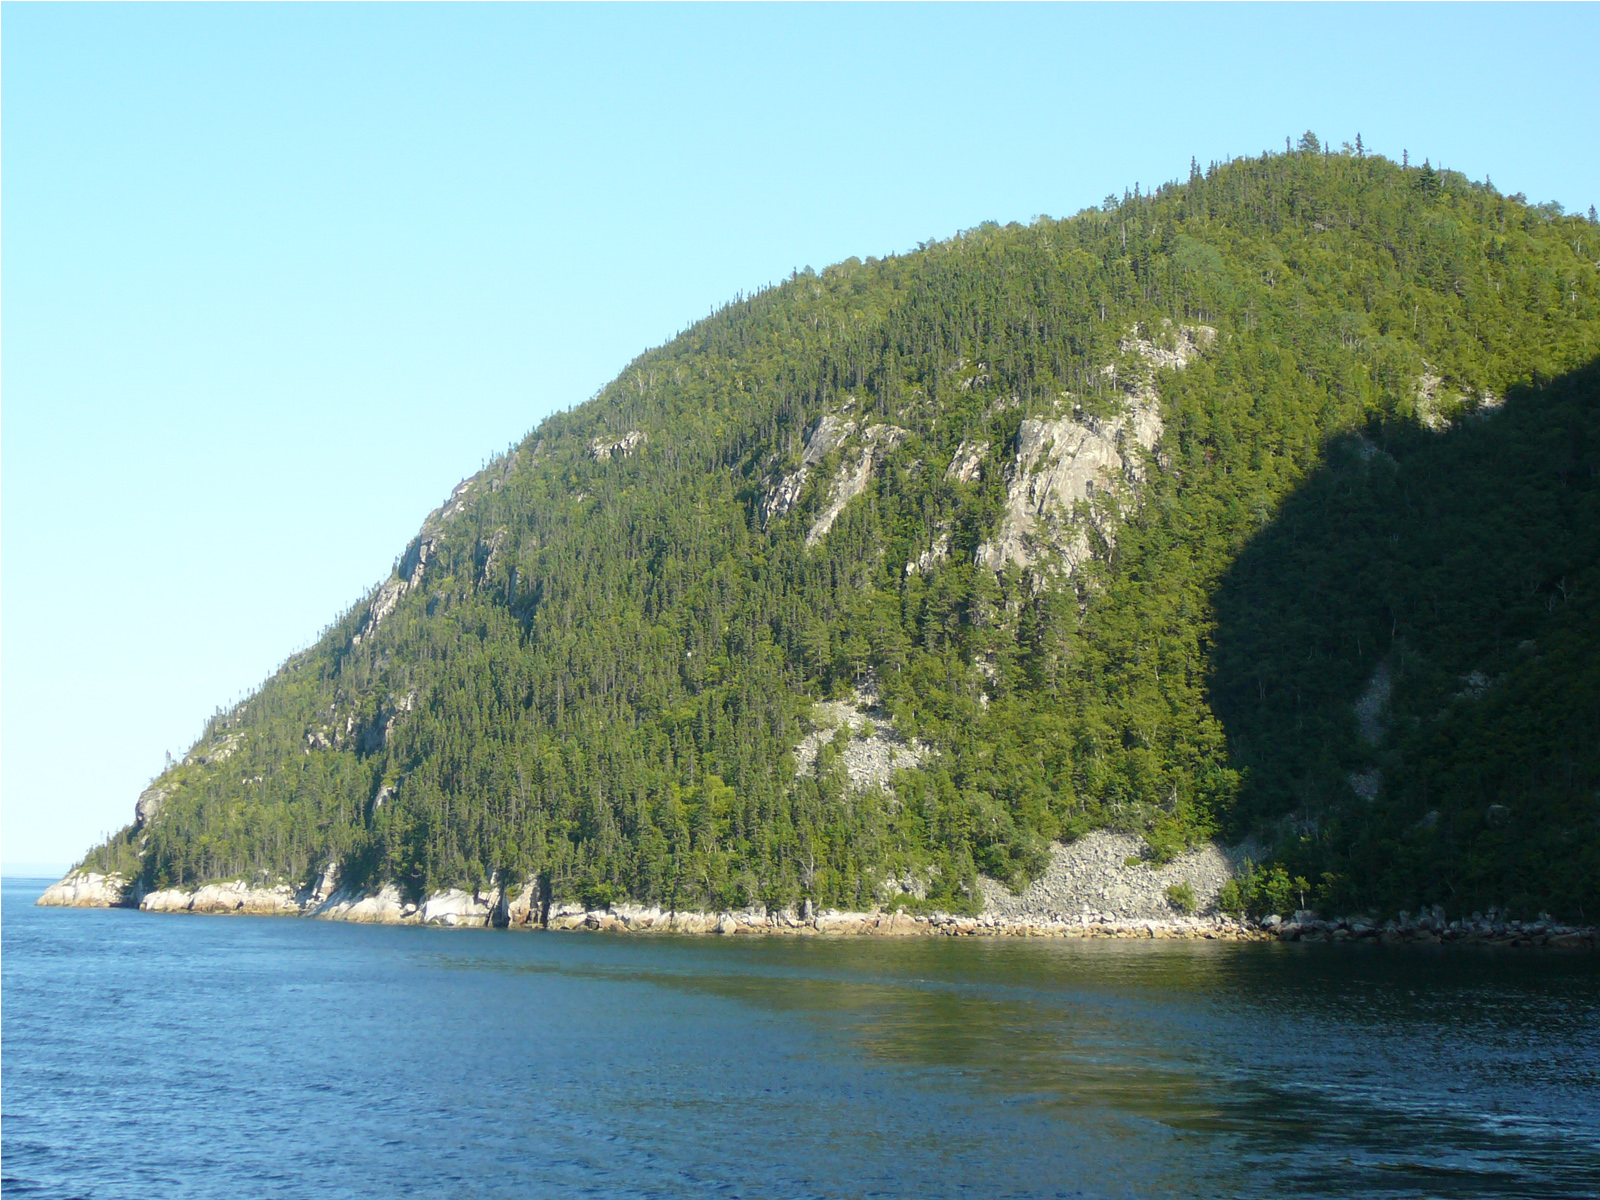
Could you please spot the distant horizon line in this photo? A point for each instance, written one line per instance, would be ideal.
(34, 870)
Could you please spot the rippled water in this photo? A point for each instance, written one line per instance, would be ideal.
(169, 1056)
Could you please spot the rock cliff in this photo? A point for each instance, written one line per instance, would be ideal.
(1062, 465)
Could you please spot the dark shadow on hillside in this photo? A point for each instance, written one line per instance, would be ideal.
(1407, 661)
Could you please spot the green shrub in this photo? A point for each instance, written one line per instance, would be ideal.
(1261, 891)
(1181, 896)
(594, 894)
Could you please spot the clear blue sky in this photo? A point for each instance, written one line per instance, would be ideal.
(275, 278)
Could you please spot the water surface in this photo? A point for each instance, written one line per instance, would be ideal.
(182, 1056)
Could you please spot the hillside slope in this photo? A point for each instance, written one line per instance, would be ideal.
(1264, 504)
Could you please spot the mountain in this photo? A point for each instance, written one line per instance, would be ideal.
(1263, 506)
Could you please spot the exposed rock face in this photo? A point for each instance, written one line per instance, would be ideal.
(634, 918)
(384, 603)
(394, 589)
(826, 435)
(154, 797)
(489, 551)
(623, 447)
(239, 896)
(831, 433)
(853, 477)
(933, 555)
(414, 563)
(1092, 878)
(1366, 783)
(383, 908)
(1437, 408)
(150, 802)
(1061, 462)
(871, 761)
(456, 502)
(1428, 401)
(376, 734)
(86, 889)
(525, 908)
(480, 908)
(629, 918)
(1372, 708)
(219, 751)
(966, 464)
(457, 907)
(1186, 341)
(232, 897)
(1483, 404)
(326, 884)
(967, 461)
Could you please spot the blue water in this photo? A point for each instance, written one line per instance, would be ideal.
(171, 1056)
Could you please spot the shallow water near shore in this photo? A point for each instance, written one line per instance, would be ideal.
(185, 1056)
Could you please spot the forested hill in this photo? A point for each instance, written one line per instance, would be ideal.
(1264, 504)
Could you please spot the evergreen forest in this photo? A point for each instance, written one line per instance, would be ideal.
(1347, 605)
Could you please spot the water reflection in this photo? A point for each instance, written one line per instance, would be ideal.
(1329, 1070)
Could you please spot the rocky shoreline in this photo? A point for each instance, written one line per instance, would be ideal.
(1432, 928)
(498, 908)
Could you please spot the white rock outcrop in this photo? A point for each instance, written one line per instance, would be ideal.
(1372, 726)
(967, 461)
(1059, 464)
(874, 750)
(1174, 349)
(167, 900)
(1064, 462)
(150, 801)
(625, 446)
(86, 889)
(234, 896)
(861, 462)
(218, 752)
(385, 907)
(454, 906)
(1372, 706)
(854, 477)
(829, 433)
(932, 556)
(406, 579)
